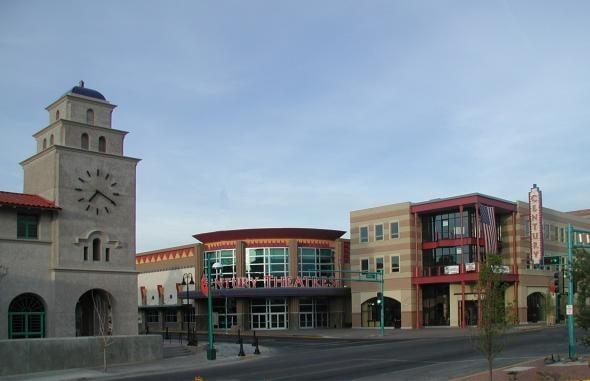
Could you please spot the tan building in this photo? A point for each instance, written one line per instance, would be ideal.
(430, 254)
(276, 278)
(68, 241)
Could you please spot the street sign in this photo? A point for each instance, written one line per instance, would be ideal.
(569, 309)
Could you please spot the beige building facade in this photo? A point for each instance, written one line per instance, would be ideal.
(68, 241)
(430, 254)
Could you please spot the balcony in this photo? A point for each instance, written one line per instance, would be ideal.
(467, 272)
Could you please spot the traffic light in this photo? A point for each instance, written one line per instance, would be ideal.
(555, 282)
(551, 260)
(379, 296)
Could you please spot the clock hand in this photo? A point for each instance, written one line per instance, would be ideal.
(105, 196)
(93, 196)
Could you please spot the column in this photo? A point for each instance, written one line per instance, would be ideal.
(463, 325)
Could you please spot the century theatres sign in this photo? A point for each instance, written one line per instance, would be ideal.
(270, 281)
(536, 224)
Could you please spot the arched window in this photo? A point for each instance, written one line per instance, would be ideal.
(51, 140)
(44, 143)
(57, 115)
(84, 141)
(96, 249)
(102, 144)
(26, 317)
(90, 116)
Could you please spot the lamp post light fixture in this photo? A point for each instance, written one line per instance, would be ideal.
(211, 355)
(187, 279)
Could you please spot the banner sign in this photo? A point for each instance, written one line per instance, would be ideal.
(270, 281)
(536, 224)
(452, 269)
(470, 266)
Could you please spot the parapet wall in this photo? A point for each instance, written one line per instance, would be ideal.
(38, 355)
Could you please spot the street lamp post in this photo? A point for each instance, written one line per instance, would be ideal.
(211, 355)
(187, 279)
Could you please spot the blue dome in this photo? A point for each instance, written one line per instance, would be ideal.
(81, 90)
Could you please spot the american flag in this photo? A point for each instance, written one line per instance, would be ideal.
(488, 223)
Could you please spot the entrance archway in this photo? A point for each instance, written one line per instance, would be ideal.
(26, 317)
(94, 314)
(535, 310)
(392, 313)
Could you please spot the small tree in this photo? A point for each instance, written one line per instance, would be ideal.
(581, 270)
(102, 307)
(494, 319)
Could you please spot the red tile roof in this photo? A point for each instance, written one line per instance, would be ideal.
(25, 200)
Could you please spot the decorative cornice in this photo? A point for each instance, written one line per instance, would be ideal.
(166, 255)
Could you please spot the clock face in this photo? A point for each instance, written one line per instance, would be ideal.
(97, 191)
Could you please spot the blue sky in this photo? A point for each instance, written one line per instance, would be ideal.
(292, 113)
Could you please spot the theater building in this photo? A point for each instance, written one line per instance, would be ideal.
(276, 278)
(430, 253)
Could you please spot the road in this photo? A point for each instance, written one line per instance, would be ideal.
(413, 359)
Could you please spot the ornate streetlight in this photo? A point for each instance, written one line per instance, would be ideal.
(187, 279)
(211, 355)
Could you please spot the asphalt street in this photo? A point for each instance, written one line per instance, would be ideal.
(410, 359)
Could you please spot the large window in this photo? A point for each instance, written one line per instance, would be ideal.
(261, 262)
(448, 256)
(27, 226)
(314, 262)
(364, 234)
(448, 225)
(227, 258)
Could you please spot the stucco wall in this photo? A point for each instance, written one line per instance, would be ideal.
(37, 355)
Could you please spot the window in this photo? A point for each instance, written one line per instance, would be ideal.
(51, 139)
(26, 317)
(171, 317)
(227, 258)
(152, 316)
(364, 234)
(84, 141)
(395, 263)
(107, 254)
(27, 226)
(394, 230)
(96, 249)
(379, 232)
(44, 143)
(365, 264)
(526, 227)
(562, 235)
(314, 262)
(261, 262)
(85, 253)
(89, 116)
(379, 264)
(57, 115)
(102, 144)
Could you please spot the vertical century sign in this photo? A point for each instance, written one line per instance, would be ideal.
(536, 218)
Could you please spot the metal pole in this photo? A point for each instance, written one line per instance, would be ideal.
(570, 292)
(382, 306)
(210, 351)
(188, 324)
(226, 315)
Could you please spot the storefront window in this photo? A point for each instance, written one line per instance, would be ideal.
(313, 313)
(269, 313)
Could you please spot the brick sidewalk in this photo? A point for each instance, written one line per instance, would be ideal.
(535, 370)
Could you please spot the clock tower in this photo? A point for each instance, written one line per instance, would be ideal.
(80, 165)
